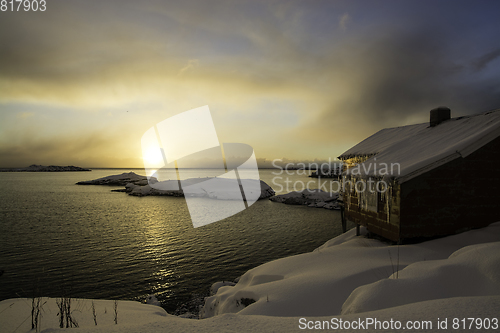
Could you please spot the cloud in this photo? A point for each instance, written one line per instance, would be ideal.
(343, 20)
(24, 115)
(91, 149)
(395, 79)
(192, 63)
(103, 61)
(480, 63)
(283, 77)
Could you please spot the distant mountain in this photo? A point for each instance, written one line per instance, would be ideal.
(44, 168)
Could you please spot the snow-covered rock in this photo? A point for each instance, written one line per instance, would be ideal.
(152, 300)
(214, 188)
(119, 180)
(211, 187)
(331, 205)
(312, 198)
(215, 287)
(141, 190)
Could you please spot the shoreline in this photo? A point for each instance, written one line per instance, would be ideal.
(361, 269)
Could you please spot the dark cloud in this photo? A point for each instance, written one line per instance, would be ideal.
(403, 73)
(92, 149)
(480, 63)
(305, 85)
(397, 75)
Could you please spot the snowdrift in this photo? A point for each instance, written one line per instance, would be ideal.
(352, 274)
(348, 278)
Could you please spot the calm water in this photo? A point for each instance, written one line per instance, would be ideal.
(86, 241)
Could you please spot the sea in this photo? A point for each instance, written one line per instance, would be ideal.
(62, 239)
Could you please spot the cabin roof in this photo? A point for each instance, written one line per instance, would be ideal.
(420, 148)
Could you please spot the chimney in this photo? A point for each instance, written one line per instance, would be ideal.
(439, 114)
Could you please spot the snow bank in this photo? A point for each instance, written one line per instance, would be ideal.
(15, 314)
(349, 278)
(216, 286)
(470, 271)
(318, 283)
(139, 318)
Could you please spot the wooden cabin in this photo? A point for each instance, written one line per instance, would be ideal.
(426, 180)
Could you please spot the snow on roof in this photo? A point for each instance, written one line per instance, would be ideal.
(420, 148)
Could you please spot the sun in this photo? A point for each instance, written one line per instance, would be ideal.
(153, 157)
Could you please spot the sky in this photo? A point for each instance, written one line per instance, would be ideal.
(81, 82)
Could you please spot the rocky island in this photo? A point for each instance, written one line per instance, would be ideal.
(118, 180)
(137, 185)
(312, 198)
(45, 168)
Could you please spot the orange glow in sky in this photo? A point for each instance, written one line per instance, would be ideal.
(302, 80)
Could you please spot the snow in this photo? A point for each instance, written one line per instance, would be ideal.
(312, 198)
(420, 148)
(215, 287)
(151, 299)
(318, 283)
(476, 267)
(212, 187)
(121, 179)
(349, 278)
(15, 314)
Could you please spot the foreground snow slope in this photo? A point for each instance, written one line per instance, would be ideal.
(318, 283)
(470, 271)
(452, 277)
(134, 317)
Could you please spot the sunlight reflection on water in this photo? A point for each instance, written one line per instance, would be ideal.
(101, 244)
